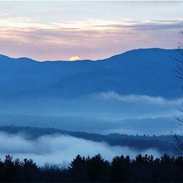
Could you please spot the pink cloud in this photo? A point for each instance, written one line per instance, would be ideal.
(95, 41)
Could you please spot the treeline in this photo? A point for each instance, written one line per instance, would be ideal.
(96, 169)
(164, 144)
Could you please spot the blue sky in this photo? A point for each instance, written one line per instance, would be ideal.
(87, 30)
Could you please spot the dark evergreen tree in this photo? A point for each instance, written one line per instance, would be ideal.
(31, 171)
(120, 169)
(98, 169)
(78, 169)
(9, 169)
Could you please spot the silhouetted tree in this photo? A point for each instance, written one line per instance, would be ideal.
(98, 169)
(178, 145)
(120, 169)
(9, 173)
(178, 171)
(142, 168)
(1, 171)
(30, 170)
(78, 169)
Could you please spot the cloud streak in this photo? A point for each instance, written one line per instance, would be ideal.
(112, 95)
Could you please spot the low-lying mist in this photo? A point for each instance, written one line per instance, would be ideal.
(103, 112)
(60, 149)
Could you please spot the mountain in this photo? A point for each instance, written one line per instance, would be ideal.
(143, 72)
(91, 94)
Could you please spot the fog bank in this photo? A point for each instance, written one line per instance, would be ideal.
(60, 149)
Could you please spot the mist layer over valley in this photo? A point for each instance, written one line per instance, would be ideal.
(54, 146)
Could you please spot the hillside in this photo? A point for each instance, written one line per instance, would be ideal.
(110, 94)
(143, 72)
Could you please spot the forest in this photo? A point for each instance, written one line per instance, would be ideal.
(95, 169)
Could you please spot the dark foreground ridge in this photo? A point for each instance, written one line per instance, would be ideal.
(95, 169)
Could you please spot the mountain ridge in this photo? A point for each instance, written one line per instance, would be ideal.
(116, 55)
(143, 72)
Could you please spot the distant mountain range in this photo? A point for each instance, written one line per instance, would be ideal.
(143, 72)
(113, 94)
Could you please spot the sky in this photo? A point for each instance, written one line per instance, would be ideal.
(72, 30)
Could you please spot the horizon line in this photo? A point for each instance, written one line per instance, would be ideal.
(87, 59)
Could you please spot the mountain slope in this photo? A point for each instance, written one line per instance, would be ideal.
(118, 94)
(143, 72)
